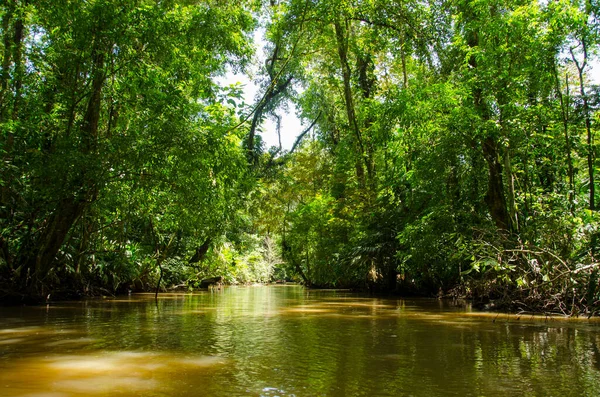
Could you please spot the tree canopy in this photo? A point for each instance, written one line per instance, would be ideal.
(450, 147)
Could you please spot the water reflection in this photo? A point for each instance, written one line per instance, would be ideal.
(107, 373)
(287, 341)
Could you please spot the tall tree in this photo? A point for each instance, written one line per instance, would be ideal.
(112, 89)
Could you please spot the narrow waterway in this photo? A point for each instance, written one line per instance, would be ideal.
(288, 341)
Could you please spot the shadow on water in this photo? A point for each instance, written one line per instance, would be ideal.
(287, 341)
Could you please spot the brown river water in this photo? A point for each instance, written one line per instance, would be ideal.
(289, 341)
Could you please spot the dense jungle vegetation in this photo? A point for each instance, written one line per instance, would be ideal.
(449, 147)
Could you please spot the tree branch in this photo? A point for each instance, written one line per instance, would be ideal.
(299, 139)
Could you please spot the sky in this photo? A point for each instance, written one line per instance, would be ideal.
(291, 126)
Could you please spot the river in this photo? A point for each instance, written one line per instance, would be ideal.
(289, 341)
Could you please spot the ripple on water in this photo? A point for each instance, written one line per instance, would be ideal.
(11, 341)
(78, 341)
(107, 383)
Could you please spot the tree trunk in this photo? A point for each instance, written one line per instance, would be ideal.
(54, 235)
(201, 251)
(588, 122)
(494, 198)
(6, 58)
(342, 46)
(89, 127)
(512, 207)
(13, 49)
(366, 82)
(159, 265)
(404, 72)
(19, 67)
(564, 108)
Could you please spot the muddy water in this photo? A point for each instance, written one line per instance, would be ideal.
(287, 341)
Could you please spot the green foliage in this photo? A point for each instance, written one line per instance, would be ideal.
(453, 148)
(114, 134)
(450, 142)
(253, 259)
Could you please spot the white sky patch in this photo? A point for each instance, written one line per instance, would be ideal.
(291, 125)
(594, 72)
